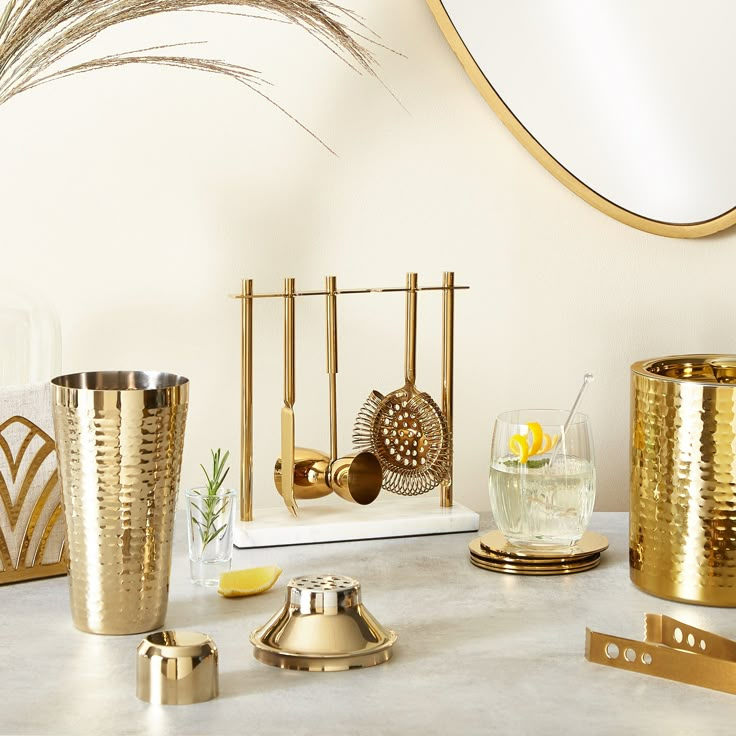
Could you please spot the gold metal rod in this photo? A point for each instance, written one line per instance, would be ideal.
(410, 347)
(289, 342)
(339, 292)
(246, 404)
(331, 309)
(448, 370)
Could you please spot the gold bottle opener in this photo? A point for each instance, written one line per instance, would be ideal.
(672, 650)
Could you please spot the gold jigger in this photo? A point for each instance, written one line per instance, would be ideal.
(357, 478)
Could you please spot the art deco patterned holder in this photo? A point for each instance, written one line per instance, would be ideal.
(31, 520)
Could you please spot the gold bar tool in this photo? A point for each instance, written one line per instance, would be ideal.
(331, 309)
(405, 429)
(355, 478)
(672, 650)
(287, 411)
(358, 477)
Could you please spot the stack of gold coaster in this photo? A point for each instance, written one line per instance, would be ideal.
(493, 552)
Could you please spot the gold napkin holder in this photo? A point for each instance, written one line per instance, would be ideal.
(32, 537)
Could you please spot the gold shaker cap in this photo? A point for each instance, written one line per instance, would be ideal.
(323, 627)
(176, 668)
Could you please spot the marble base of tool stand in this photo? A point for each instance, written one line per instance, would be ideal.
(333, 520)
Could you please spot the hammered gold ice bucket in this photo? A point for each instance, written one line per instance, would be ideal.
(682, 524)
(119, 441)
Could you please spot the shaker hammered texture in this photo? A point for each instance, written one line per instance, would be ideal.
(120, 458)
(682, 537)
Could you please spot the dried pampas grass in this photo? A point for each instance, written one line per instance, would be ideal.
(37, 35)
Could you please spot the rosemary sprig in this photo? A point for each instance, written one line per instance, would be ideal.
(212, 505)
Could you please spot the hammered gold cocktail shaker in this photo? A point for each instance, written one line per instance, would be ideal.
(682, 528)
(119, 440)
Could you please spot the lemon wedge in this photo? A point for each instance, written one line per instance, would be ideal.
(252, 581)
(519, 446)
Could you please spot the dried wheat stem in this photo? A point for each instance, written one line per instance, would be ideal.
(37, 35)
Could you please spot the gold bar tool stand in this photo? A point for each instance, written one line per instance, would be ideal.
(411, 517)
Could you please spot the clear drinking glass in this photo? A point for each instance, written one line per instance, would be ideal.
(210, 533)
(542, 479)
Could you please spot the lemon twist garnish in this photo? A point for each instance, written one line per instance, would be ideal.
(519, 446)
(535, 430)
(537, 442)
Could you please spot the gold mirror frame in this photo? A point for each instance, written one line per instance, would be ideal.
(484, 86)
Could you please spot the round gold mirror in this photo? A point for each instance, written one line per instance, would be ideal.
(627, 103)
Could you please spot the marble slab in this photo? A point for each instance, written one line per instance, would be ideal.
(334, 520)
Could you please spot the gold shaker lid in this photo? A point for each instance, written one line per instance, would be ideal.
(176, 668)
(322, 627)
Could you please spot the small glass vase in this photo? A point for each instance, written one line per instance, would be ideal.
(210, 533)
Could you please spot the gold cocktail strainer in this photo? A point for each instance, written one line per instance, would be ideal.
(405, 429)
(322, 627)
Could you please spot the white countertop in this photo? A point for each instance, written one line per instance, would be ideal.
(478, 653)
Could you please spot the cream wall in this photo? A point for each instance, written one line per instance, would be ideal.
(136, 199)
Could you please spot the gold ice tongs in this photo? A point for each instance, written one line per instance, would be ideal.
(672, 650)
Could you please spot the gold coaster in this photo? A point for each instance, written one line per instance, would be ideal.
(494, 544)
(534, 570)
(541, 563)
(493, 552)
